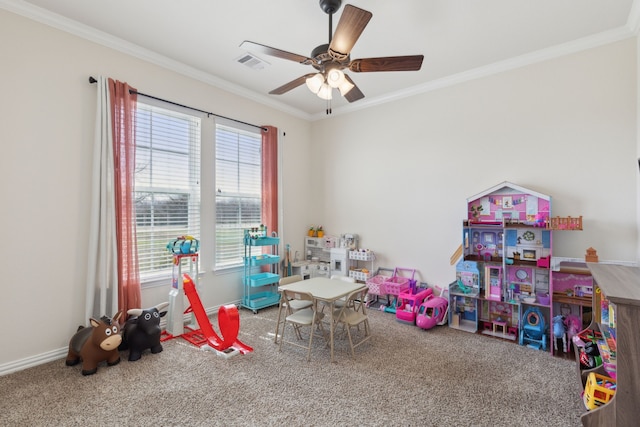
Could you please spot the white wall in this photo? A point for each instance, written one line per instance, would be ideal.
(47, 118)
(397, 174)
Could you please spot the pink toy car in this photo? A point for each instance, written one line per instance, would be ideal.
(432, 312)
(408, 303)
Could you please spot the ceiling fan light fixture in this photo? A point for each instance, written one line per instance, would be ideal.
(335, 78)
(315, 82)
(345, 87)
(325, 92)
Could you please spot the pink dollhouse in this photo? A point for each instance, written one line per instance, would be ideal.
(507, 282)
(505, 208)
(506, 248)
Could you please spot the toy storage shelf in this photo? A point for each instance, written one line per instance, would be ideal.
(261, 300)
(261, 241)
(260, 288)
(571, 295)
(262, 260)
(355, 271)
(261, 279)
(619, 284)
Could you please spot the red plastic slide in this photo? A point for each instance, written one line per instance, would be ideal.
(228, 321)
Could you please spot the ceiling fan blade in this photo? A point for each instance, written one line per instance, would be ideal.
(352, 23)
(387, 63)
(354, 94)
(272, 51)
(291, 85)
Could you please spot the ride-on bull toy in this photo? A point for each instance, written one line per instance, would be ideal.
(142, 331)
(96, 343)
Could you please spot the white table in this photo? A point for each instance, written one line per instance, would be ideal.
(324, 290)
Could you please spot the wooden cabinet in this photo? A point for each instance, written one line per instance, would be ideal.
(620, 285)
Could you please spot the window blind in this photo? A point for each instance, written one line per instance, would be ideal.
(238, 191)
(167, 185)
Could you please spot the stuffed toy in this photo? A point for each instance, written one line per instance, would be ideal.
(142, 331)
(96, 343)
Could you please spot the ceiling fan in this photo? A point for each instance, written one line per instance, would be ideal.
(330, 59)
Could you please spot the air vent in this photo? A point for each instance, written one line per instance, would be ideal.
(252, 62)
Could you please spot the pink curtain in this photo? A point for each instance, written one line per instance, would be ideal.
(270, 178)
(123, 110)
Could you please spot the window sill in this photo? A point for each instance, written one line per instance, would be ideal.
(155, 283)
(227, 270)
(160, 282)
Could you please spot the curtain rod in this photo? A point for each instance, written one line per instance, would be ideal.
(208, 113)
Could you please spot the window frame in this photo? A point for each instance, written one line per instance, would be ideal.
(248, 132)
(194, 209)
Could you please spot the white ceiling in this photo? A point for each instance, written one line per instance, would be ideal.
(459, 39)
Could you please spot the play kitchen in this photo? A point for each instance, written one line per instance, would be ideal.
(325, 256)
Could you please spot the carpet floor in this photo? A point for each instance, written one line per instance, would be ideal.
(403, 376)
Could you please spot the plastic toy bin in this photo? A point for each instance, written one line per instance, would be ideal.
(396, 283)
(376, 284)
(598, 390)
(359, 275)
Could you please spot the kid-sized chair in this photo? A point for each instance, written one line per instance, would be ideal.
(289, 306)
(309, 316)
(353, 314)
(294, 304)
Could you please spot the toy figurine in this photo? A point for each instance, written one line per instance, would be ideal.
(432, 312)
(533, 331)
(142, 331)
(464, 288)
(573, 325)
(559, 331)
(96, 343)
(541, 220)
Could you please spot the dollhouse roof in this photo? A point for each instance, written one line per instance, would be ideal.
(508, 188)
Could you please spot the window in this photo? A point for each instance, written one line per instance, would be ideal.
(167, 185)
(238, 190)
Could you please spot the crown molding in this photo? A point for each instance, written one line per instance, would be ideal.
(633, 21)
(57, 21)
(91, 34)
(542, 55)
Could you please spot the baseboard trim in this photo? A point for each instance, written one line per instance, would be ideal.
(31, 361)
(50, 356)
